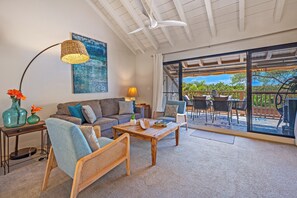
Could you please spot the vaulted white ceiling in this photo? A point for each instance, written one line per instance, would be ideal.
(209, 21)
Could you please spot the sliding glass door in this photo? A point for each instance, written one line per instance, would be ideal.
(272, 83)
(261, 86)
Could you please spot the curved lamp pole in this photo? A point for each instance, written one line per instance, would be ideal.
(21, 82)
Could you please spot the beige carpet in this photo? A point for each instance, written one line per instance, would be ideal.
(196, 168)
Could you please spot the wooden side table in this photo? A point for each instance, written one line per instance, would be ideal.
(13, 132)
(147, 110)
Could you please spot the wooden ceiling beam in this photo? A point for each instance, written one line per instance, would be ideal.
(127, 5)
(107, 22)
(182, 16)
(241, 15)
(269, 55)
(241, 58)
(278, 10)
(185, 65)
(120, 22)
(219, 61)
(210, 17)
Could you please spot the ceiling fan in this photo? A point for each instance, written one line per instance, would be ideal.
(153, 23)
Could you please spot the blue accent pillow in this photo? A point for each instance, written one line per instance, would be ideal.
(76, 111)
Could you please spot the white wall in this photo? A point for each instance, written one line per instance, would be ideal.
(29, 26)
(144, 77)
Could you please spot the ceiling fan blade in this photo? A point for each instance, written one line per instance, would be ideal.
(171, 23)
(137, 30)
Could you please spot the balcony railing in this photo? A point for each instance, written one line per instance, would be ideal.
(263, 101)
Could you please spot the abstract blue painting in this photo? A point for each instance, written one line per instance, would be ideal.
(91, 77)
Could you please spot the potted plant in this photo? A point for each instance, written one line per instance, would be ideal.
(133, 120)
(15, 116)
(34, 119)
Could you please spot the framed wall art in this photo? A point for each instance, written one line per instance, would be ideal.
(91, 77)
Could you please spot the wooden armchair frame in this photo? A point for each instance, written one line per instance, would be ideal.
(95, 165)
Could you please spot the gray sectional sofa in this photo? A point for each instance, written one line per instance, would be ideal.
(106, 111)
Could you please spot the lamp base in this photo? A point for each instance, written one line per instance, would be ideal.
(23, 153)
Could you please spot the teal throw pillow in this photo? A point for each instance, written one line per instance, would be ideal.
(76, 111)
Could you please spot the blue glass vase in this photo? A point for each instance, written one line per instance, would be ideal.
(15, 116)
(33, 119)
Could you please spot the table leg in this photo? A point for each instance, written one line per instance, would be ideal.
(177, 136)
(115, 135)
(42, 149)
(47, 144)
(16, 149)
(8, 154)
(154, 151)
(4, 154)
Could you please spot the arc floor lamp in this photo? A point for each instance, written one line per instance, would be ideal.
(72, 52)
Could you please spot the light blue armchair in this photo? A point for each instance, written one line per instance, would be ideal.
(71, 152)
(180, 117)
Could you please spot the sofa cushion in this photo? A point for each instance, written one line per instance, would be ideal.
(63, 108)
(110, 106)
(126, 107)
(76, 111)
(124, 117)
(94, 104)
(104, 123)
(89, 114)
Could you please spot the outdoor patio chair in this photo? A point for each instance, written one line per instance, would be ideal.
(72, 153)
(180, 117)
(221, 104)
(238, 105)
(201, 103)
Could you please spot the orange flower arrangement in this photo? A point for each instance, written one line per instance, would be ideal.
(35, 109)
(16, 94)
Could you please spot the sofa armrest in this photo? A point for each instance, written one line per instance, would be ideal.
(140, 110)
(67, 118)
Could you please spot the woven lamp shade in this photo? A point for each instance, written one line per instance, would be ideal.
(132, 92)
(74, 52)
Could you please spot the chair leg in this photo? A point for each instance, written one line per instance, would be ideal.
(206, 115)
(228, 118)
(76, 180)
(128, 166)
(213, 116)
(237, 116)
(51, 164)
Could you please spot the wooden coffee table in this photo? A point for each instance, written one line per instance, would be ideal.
(153, 134)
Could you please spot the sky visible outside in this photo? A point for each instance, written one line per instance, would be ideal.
(214, 79)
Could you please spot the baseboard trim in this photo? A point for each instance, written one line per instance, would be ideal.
(264, 137)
